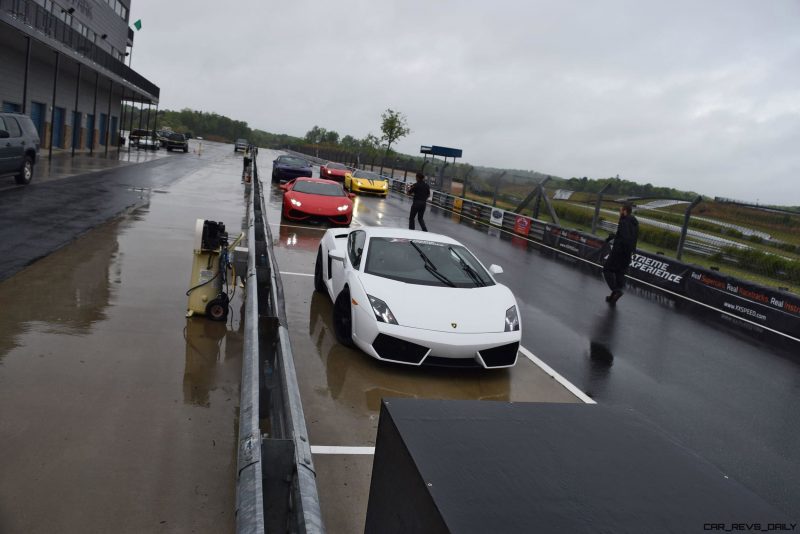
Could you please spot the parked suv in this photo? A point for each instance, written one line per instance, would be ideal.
(241, 144)
(176, 141)
(19, 146)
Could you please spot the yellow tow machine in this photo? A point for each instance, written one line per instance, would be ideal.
(212, 271)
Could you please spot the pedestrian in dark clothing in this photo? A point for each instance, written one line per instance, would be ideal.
(420, 191)
(622, 249)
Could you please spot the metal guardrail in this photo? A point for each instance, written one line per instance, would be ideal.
(276, 487)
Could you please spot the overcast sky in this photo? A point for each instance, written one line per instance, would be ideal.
(692, 94)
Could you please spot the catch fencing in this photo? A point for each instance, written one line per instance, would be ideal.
(769, 308)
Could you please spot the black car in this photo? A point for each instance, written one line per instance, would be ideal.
(19, 146)
(289, 168)
(176, 141)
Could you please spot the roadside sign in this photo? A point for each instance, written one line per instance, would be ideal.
(522, 225)
(497, 217)
(458, 203)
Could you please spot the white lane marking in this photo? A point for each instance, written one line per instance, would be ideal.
(329, 449)
(296, 274)
(560, 379)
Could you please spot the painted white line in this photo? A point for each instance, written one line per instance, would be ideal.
(329, 449)
(560, 379)
(296, 274)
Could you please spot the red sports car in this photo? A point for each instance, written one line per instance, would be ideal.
(333, 171)
(317, 200)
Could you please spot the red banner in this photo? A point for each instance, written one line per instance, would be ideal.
(522, 225)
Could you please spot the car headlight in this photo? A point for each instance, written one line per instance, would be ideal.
(295, 202)
(512, 320)
(385, 185)
(343, 207)
(382, 311)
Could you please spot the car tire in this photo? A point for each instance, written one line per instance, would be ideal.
(319, 284)
(275, 178)
(343, 319)
(26, 172)
(185, 149)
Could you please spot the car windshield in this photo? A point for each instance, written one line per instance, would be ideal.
(425, 263)
(294, 162)
(176, 137)
(241, 141)
(367, 174)
(318, 188)
(339, 166)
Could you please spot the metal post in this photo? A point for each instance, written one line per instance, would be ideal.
(149, 105)
(141, 112)
(121, 113)
(496, 187)
(685, 228)
(27, 69)
(53, 108)
(155, 119)
(75, 110)
(94, 111)
(133, 101)
(464, 186)
(108, 115)
(597, 204)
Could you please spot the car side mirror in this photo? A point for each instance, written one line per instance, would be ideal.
(336, 255)
(351, 195)
(495, 269)
(4, 134)
(284, 186)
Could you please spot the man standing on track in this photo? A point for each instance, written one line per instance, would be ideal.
(421, 191)
(623, 248)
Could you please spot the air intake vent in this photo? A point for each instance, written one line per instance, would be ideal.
(501, 356)
(399, 350)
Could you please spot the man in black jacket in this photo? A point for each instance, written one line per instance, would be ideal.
(623, 248)
(421, 191)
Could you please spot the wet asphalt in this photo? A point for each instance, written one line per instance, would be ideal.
(118, 414)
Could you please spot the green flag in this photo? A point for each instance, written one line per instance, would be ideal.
(138, 24)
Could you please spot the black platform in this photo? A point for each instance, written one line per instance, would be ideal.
(497, 467)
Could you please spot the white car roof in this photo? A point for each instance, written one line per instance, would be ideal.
(383, 231)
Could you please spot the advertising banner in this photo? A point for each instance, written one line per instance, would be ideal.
(659, 271)
(497, 217)
(457, 204)
(766, 306)
(522, 225)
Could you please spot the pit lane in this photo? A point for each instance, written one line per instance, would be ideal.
(713, 383)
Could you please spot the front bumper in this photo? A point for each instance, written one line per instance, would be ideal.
(338, 218)
(367, 188)
(388, 342)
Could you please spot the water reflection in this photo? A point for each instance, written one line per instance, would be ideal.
(358, 381)
(601, 350)
(209, 344)
(66, 292)
(299, 237)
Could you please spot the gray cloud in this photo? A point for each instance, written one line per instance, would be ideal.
(702, 96)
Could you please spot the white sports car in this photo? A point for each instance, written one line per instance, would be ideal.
(414, 297)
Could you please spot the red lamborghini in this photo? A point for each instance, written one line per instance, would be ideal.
(317, 200)
(333, 171)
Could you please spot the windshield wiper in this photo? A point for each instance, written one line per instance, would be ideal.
(468, 269)
(431, 268)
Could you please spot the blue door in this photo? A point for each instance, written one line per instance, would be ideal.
(90, 130)
(58, 127)
(76, 129)
(37, 116)
(103, 125)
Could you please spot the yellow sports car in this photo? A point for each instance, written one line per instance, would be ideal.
(359, 181)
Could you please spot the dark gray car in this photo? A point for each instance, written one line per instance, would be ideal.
(19, 146)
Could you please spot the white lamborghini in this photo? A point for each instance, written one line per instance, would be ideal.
(415, 297)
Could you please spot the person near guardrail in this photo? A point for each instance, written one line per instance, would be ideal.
(623, 247)
(420, 191)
